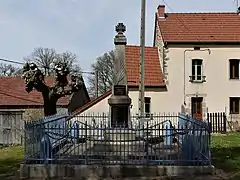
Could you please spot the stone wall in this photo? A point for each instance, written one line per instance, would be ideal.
(94, 172)
(38, 113)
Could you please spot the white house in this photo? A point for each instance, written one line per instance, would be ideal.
(194, 64)
(200, 55)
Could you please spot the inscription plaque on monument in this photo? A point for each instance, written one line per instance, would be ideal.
(119, 90)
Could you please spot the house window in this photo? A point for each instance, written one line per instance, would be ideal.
(234, 105)
(147, 101)
(234, 68)
(197, 71)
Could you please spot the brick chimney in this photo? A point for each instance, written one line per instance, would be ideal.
(161, 11)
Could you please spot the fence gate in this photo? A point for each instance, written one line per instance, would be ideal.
(218, 122)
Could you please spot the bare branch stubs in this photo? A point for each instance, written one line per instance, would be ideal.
(34, 79)
(62, 86)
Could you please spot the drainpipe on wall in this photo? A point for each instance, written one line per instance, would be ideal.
(184, 69)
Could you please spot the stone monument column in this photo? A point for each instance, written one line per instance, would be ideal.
(120, 101)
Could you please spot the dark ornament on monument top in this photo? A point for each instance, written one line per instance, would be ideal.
(120, 28)
(120, 38)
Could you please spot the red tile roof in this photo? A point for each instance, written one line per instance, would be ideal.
(12, 93)
(153, 72)
(196, 27)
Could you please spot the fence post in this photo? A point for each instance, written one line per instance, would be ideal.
(210, 122)
(24, 140)
(86, 129)
(147, 155)
(224, 122)
(219, 115)
(206, 113)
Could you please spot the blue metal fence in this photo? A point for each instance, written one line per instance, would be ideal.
(165, 140)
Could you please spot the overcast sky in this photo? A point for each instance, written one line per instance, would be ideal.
(85, 27)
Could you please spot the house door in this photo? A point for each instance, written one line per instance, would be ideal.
(197, 107)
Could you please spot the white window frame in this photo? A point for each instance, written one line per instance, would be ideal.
(194, 77)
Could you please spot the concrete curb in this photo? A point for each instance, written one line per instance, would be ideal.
(41, 171)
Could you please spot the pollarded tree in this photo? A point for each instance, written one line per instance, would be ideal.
(34, 79)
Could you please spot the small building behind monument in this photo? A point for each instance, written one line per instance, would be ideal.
(30, 105)
(122, 100)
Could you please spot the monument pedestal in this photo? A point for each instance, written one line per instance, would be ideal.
(122, 143)
(120, 139)
(120, 107)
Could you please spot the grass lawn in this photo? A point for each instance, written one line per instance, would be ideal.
(10, 158)
(226, 152)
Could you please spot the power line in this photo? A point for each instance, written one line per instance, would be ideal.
(21, 63)
(11, 61)
(189, 30)
(17, 97)
(4, 93)
(41, 103)
(15, 92)
(180, 20)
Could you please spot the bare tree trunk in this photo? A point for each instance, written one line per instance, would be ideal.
(50, 107)
(50, 103)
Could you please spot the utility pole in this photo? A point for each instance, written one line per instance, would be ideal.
(96, 83)
(142, 56)
(237, 5)
(96, 73)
